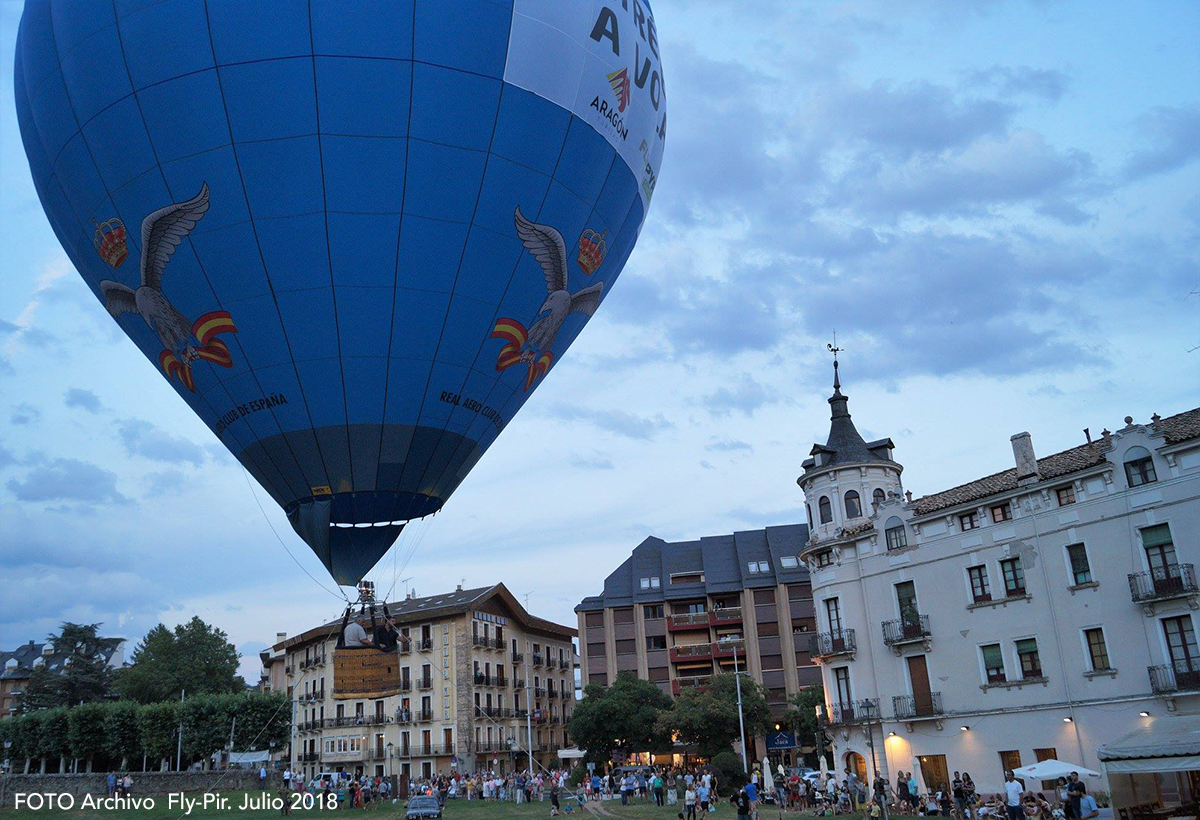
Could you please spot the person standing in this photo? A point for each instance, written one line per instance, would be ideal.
(741, 804)
(1012, 797)
(112, 783)
(262, 777)
(657, 785)
(702, 793)
(1075, 792)
(689, 803)
(960, 798)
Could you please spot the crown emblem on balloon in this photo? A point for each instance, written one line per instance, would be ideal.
(110, 241)
(592, 248)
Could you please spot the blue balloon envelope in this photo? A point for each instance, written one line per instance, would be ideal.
(353, 236)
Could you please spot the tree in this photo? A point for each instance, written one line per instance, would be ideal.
(54, 739)
(264, 721)
(121, 731)
(708, 717)
(26, 737)
(157, 725)
(624, 715)
(802, 716)
(85, 731)
(207, 721)
(194, 657)
(83, 676)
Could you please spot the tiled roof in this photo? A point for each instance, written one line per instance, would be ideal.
(1177, 428)
(26, 656)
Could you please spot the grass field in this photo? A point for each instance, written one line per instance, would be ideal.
(455, 810)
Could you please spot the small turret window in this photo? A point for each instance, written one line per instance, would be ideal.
(1139, 467)
(825, 509)
(853, 505)
(877, 497)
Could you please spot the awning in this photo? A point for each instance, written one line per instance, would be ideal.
(1052, 770)
(1162, 744)
(571, 754)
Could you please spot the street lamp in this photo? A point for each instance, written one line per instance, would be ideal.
(737, 678)
(391, 749)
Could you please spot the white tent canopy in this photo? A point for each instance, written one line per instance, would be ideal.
(1052, 770)
(1162, 744)
(571, 754)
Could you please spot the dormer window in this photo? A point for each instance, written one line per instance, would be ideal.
(895, 534)
(969, 521)
(1139, 467)
(825, 509)
(757, 567)
(853, 505)
(651, 583)
(1001, 512)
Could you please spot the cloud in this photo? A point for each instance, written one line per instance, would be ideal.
(1174, 137)
(745, 396)
(83, 399)
(143, 439)
(7, 328)
(6, 457)
(596, 461)
(167, 482)
(25, 413)
(68, 479)
(728, 445)
(1014, 81)
(617, 422)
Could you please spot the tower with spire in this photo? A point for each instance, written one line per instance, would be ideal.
(845, 477)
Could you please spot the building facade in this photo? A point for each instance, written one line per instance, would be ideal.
(17, 666)
(676, 613)
(476, 679)
(1035, 613)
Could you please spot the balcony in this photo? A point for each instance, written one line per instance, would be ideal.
(539, 692)
(687, 621)
(481, 642)
(423, 715)
(1163, 584)
(309, 757)
(537, 659)
(483, 680)
(405, 684)
(1175, 677)
(832, 644)
(492, 712)
(859, 711)
(725, 616)
(691, 652)
(912, 707)
(425, 645)
(906, 630)
(697, 682)
(403, 646)
(518, 657)
(501, 681)
(564, 665)
(725, 649)
(518, 683)
(424, 683)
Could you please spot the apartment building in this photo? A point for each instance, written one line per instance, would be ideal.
(17, 667)
(1037, 612)
(676, 613)
(475, 681)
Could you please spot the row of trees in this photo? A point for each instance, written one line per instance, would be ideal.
(635, 715)
(194, 657)
(122, 735)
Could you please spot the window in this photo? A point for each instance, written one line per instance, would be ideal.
(833, 611)
(1048, 753)
(650, 583)
(654, 642)
(1014, 577)
(824, 558)
(1097, 649)
(877, 497)
(981, 591)
(969, 521)
(1181, 644)
(1160, 552)
(853, 505)
(756, 567)
(789, 562)
(1027, 653)
(1001, 512)
(841, 677)
(626, 647)
(825, 509)
(1066, 495)
(693, 608)
(687, 578)
(895, 534)
(1139, 467)
(906, 600)
(1081, 571)
(993, 663)
(652, 612)
(1010, 761)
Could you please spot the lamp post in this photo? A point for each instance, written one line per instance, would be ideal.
(737, 678)
(820, 710)
(391, 749)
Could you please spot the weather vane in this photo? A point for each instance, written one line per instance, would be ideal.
(834, 349)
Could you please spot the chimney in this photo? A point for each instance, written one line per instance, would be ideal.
(1027, 468)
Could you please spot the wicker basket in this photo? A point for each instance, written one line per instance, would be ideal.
(365, 673)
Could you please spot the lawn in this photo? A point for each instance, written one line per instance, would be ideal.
(455, 810)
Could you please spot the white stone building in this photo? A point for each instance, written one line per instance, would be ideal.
(1038, 612)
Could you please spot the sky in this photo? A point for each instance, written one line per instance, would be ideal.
(995, 205)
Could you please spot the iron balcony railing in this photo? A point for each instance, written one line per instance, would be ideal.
(685, 619)
(423, 715)
(906, 630)
(1171, 581)
(425, 645)
(424, 683)
(482, 679)
(858, 711)
(518, 657)
(834, 642)
(564, 665)
(910, 707)
(537, 659)
(1178, 676)
(728, 614)
(539, 692)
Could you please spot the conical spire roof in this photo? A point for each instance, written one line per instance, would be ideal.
(845, 445)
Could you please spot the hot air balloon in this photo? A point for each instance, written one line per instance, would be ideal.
(354, 237)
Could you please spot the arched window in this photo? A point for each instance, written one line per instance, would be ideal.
(894, 532)
(853, 505)
(1139, 467)
(877, 497)
(808, 509)
(825, 509)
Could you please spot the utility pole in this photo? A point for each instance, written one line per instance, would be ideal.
(529, 706)
(179, 741)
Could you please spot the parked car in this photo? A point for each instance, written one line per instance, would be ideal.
(423, 807)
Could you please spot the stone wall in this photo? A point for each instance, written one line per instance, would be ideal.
(144, 783)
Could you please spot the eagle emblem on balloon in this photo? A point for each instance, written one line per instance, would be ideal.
(532, 347)
(184, 342)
